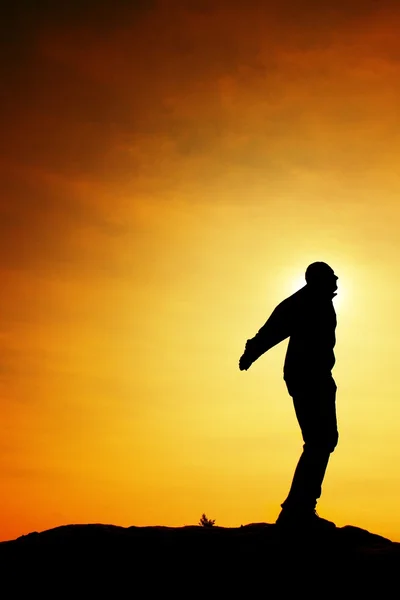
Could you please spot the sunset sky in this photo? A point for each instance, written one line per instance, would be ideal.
(168, 171)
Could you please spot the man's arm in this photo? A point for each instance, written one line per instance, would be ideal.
(274, 331)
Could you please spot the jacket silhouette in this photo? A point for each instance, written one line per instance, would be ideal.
(308, 319)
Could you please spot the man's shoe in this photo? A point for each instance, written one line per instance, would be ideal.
(303, 520)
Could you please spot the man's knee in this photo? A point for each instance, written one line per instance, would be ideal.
(334, 441)
(322, 445)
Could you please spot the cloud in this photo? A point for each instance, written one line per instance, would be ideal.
(109, 100)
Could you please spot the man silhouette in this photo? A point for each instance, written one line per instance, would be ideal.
(308, 319)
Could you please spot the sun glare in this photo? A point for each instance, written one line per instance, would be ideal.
(297, 283)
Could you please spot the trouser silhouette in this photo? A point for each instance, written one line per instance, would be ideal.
(315, 405)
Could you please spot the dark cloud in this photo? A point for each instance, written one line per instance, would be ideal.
(95, 77)
(25, 18)
(130, 94)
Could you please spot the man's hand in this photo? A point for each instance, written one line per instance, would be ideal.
(245, 362)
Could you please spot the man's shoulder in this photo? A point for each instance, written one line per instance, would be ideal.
(297, 299)
(292, 304)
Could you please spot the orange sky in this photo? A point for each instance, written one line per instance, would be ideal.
(168, 172)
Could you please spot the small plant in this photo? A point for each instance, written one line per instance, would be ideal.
(204, 522)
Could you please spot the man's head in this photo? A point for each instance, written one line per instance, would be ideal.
(321, 277)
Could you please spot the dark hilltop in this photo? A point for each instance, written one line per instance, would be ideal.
(259, 556)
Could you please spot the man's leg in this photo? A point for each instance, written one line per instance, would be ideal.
(315, 408)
